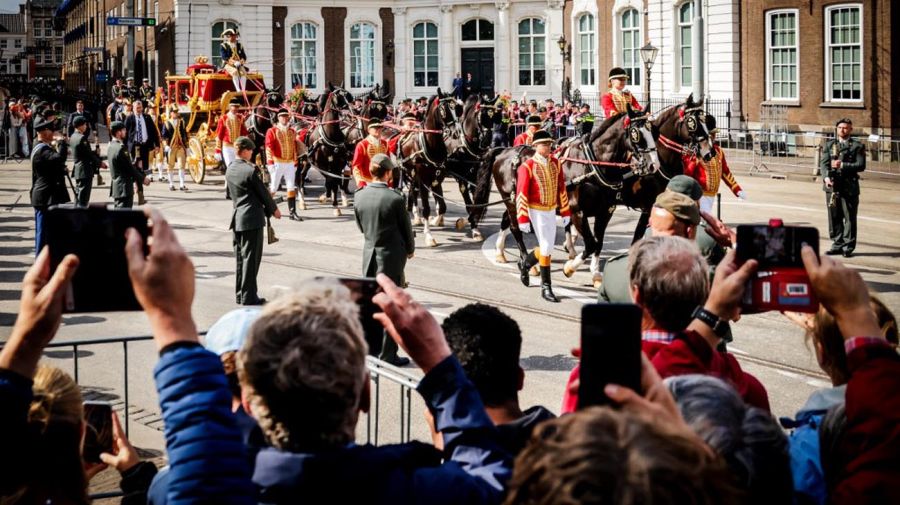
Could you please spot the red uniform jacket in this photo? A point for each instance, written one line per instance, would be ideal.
(615, 102)
(710, 173)
(281, 145)
(689, 353)
(541, 187)
(522, 139)
(362, 158)
(228, 130)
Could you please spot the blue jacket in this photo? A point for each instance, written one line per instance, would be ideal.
(475, 468)
(17, 438)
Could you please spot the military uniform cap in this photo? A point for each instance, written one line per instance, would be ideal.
(45, 124)
(843, 120)
(533, 120)
(541, 137)
(680, 205)
(116, 126)
(686, 185)
(78, 121)
(244, 143)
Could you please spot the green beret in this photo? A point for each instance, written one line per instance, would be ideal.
(116, 126)
(686, 185)
(680, 205)
(78, 121)
(244, 143)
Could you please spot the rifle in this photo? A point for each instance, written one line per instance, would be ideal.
(833, 201)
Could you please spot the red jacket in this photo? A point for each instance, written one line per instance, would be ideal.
(228, 130)
(522, 139)
(281, 145)
(870, 446)
(615, 102)
(710, 174)
(362, 158)
(541, 187)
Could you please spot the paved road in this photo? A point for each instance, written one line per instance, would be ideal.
(456, 272)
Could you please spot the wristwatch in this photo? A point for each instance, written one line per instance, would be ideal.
(719, 326)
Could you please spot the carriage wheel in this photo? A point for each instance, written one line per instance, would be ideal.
(196, 160)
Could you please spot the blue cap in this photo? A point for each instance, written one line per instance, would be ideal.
(230, 331)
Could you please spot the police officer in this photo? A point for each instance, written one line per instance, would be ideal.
(585, 120)
(253, 204)
(122, 171)
(842, 161)
(500, 136)
(146, 91)
(48, 176)
(87, 162)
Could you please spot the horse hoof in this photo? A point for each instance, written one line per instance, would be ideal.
(572, 254)
(417, 221)
(437, 221)
(477, 236)
(322, 198)
(337, 213)
(598, 280)
(501, 258)
(430, 241)
(460, 224)
(302, 205)
(344, 202)
(568, 271)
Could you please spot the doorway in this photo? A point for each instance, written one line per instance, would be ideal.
(479, 61)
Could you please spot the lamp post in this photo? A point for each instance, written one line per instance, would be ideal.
(648, 55)
(565, 49)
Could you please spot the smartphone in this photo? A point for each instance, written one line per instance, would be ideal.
(781, 282)
(610, 350)
(95, 234)
(362, 289)
(98, 434)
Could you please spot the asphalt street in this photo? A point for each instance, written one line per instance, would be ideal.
(456, 272)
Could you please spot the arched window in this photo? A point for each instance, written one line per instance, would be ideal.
(631, 44)
(587, 50)
(685, 21)
(425, 54)
(477, 30)
(362, 55)
(217, 39)
(532, 52)
(303, 55)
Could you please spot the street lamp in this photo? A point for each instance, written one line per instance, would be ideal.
(648, 55)
(565, 49)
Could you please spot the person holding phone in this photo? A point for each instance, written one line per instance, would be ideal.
(253, 205)
(843, 159)
(48, 176)
(122, 171)
(540, 192)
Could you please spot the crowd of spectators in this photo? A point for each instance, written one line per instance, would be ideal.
(264, 409)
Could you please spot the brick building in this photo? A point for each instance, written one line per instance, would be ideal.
(44, 40)
(13, 63)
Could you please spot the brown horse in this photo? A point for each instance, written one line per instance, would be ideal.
(326, 146)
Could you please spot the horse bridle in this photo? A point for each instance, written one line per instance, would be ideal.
(634, 135)
(695, 126)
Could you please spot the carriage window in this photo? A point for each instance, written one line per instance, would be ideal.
(425, 54)
(685, 21)
(303, 55)
(587, 49)
(631, 43)
(477, 29)
(532, 48)
(843, 52)
(362, 55)
(781, 55)
(217, 29)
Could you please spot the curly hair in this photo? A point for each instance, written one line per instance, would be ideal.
(603, 456)
(304, 364)
(487, 344)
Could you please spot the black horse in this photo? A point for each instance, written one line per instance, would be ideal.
(304, 114)
(356, 123)
(326, 145)
(260, 119)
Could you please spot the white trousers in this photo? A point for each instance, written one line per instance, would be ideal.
(240, 83)
(707, 203)
(543, 222)
(278, 170)
(229, 154)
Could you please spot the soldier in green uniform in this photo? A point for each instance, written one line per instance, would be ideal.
(122, 171)
(87, 162)
(381, 217)
(253, 204)
(842, 161)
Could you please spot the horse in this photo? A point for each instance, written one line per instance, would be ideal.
(421, 157)
(260, 119)
(326, 145)
(374, 106)
(304, 114)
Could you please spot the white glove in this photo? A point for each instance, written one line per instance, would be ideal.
(742, 194)
(525, 227)
(218, 156)
(566, 220)
(167, 149)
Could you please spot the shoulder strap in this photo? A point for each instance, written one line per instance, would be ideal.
(38, 149)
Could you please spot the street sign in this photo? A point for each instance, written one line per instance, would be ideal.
(121, 21)
(101, 76)
(93, 50)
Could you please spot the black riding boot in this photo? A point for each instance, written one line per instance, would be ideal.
(525, 265)
(546, 290)
(292, 207)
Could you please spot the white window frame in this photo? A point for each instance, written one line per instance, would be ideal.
(304, 71)
(581, 51)
(531, 67)
(620, 56)
(376, 70)
(228, 23)
(425, 38)
(680, 44)
(478, 40)
(769, 15)
(827, 56)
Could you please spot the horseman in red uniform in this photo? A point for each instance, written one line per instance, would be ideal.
(365, 150)
(616, 100)
(540, 192)
(281, 156)
(230, 127)
(532, 124)
(710, 173)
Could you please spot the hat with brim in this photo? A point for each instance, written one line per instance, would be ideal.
(617, 73)
(284, 112)
(374, 123)
(235, 100)
(408, 115)
(680, 205)
(45, 124)
(230, 331)
(229, 32)
(541, 137)
(533, 121)
(243, 143)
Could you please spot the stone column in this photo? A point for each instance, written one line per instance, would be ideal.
(503, 61)
(447, 59)
(402, 53)
(555, 65)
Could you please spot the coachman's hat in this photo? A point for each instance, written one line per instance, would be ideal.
(374, 123)
(229, 32)
(711, 124)
(236, 100)
(541, 137)
(617, 73)
(533, 120)
(283, 112)
(408, 115)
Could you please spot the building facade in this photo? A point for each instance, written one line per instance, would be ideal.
(13, 61)
(44, 39)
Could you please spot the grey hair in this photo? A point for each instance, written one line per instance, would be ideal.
(749, 439)
(304, 367)
(672, 278)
